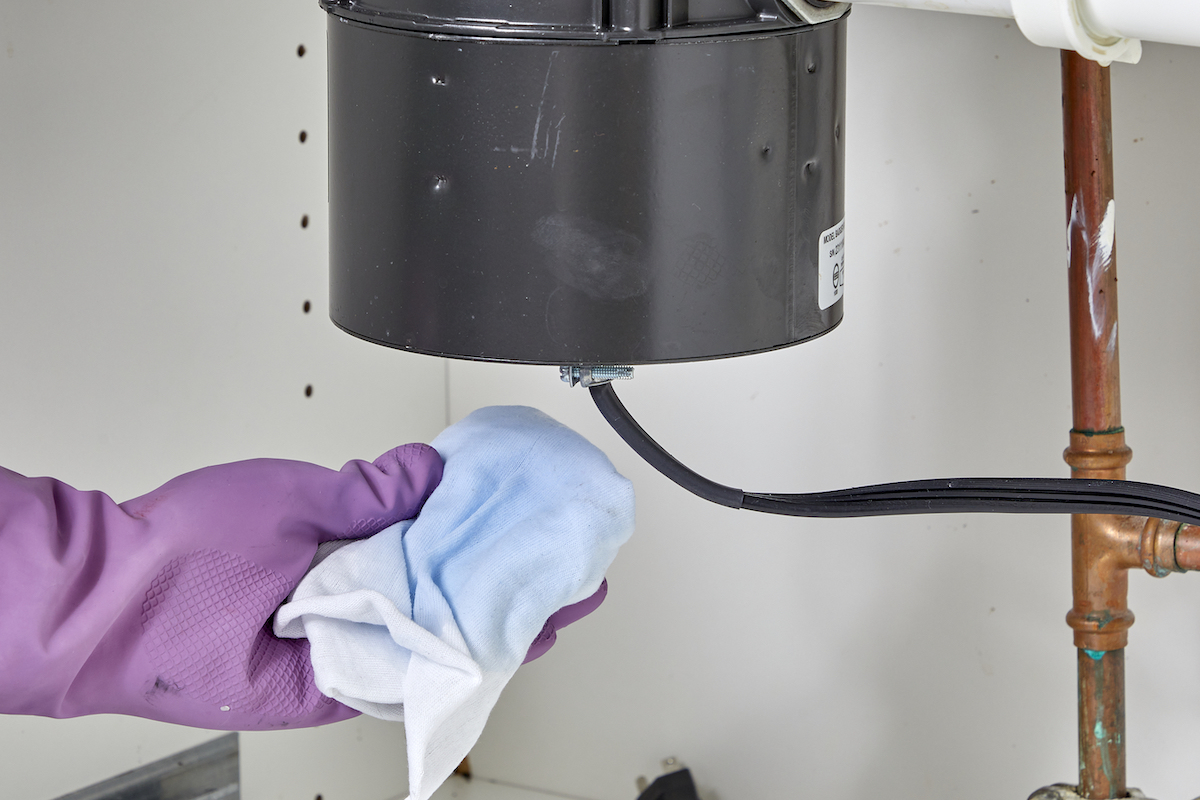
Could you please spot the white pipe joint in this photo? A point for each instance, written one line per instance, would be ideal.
(1102, 30)
(1064, 24)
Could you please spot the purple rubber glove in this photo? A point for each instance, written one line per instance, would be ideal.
(562, 618)
(160, 607)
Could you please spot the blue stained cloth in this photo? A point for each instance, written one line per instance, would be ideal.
(527, 519)
(429, 619)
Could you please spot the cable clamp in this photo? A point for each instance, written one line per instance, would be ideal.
(814, 12)
(594, 376)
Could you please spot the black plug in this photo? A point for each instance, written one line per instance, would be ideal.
(672, 786)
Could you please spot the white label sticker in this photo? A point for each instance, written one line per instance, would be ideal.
(831, 265)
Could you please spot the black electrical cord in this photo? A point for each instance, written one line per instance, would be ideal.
(940, 496)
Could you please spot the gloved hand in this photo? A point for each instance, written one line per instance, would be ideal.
(561, 619)
(160, 607)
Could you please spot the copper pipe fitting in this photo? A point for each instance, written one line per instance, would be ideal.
(1168, 547)
(1098, 455)
(1103, 548)
(1186, 549)
(1106, 547)
(1157, 546)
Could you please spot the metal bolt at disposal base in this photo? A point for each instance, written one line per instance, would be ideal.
(594, 376)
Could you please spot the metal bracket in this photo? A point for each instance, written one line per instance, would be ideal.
(594, 376)
(208, 770)
(1063, 791)
(816, 13)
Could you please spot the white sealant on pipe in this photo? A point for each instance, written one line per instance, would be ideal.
(1098, 258)
(1106, 235)
(1100, 263)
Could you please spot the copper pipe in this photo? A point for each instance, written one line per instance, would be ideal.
(1102, 723)
(1185, 547)
(1103, 547)
(1092, 279)
(1100, 615)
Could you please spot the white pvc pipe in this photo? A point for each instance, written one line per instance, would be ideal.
(983, 8)
(1168, 21)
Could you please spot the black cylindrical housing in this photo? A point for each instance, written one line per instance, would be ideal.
(585, 193)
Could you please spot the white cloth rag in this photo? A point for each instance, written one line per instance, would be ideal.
(428, 620)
